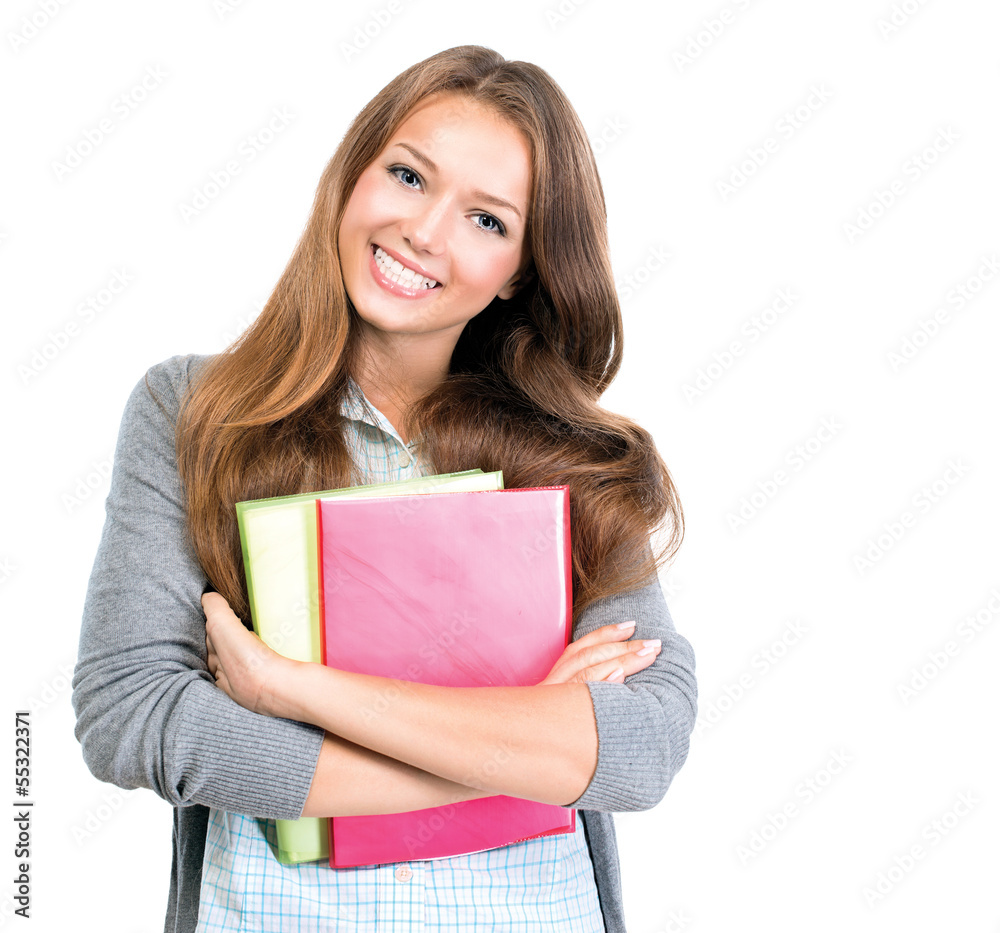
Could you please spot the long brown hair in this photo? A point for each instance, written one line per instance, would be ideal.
(263, 418)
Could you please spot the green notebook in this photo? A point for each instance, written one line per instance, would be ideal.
(280, 558)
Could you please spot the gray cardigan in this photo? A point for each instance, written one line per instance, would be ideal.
(149, 714)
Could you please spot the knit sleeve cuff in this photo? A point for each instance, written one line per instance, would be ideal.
(236, 760)
(643, 732)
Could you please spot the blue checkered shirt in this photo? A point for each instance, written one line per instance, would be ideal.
(542, 884)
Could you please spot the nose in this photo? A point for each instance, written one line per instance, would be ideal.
(426, 228)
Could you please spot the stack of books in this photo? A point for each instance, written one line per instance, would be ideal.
(449, 580)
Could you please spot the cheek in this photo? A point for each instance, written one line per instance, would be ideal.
(360, 209)
(497, 269)
(489, 269)
(373, 202)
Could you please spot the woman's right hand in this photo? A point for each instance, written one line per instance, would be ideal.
(603, 654)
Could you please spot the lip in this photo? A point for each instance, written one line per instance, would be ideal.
(400, 291)
(406, 262)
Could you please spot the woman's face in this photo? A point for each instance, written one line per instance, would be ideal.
(435, 226)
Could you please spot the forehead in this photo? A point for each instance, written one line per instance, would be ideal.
(463, 137)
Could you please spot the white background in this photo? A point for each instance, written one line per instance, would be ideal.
(675, 97)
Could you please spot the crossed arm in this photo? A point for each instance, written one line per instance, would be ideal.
(394, 745)
(150, 712)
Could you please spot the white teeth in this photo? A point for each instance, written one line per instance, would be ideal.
(394, 270)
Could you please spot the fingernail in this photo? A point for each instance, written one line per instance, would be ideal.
(625, 625)
(652, 643)
(645, 652)
(617, 674)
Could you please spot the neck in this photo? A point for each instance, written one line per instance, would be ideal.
(395, 370)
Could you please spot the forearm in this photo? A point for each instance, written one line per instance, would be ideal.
(351, 780)
(538, 743)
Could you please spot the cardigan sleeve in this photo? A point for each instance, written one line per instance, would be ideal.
(643, 724)
(148, 711)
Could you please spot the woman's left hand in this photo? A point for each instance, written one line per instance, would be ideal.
(607, 653)
(242, 665)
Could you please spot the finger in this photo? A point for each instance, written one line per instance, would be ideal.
(614, 632)
(211, 603)
(628, 663)
(645, 646)
(611, 650)
(222, 683)
(604, 644)
(613, 671)
(605, 635)
(217, 609)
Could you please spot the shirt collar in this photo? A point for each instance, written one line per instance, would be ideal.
(355, 406)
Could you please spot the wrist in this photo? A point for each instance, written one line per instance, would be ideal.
(279, 692)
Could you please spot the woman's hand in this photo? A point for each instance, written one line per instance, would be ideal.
(603, 654)
(242, 665)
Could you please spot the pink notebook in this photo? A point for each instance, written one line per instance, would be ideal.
(462, 589)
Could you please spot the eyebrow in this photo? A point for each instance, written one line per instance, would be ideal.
(480, 195)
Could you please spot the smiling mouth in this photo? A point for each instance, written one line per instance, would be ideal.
(396, 272)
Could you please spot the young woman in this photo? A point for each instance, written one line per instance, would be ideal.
(450, 305)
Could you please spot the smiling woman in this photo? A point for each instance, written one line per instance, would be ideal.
(451, 298)
(420, 256)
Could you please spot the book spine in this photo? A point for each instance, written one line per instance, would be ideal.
(568, 561)
(321, 597)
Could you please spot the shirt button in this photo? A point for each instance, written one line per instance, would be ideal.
(403, 873)
(404, 458)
